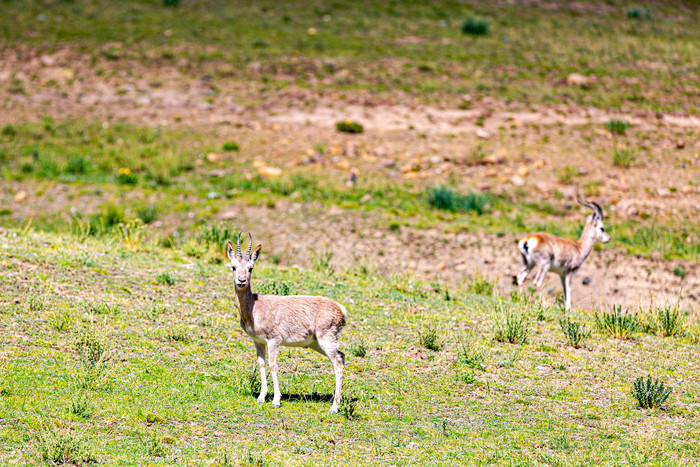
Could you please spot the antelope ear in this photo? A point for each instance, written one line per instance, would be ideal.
(256, 252)
(229, 251)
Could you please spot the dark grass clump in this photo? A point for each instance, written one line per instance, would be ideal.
(165, 278)
(476, 26)
(637, 12)
(217, 235)
(346, 126)
(429, 337)
(574, 332)
(359, 348)
(650, 393)
(480, 285)
(274, 287)
(624, 158)
(230, 146)
(616, 126)
(148, 214)
(617, 323)
(444, 197)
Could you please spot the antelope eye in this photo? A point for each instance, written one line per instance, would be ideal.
(233, 268)
(250, 270)
(602, 229)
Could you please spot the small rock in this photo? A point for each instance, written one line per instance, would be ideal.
(366, 198)
(498, 157)
(214, 157)
(517, 181)
(343, 165)
(441, 266)
(686, 189)
(227, 214)
(541, 368)
(491, 173)
(663, 192)
(269, 172)
(20, 196)
(586, 281)
(539, 163)
(680, 144)
(543, 187)
(483, 134)
(217, 173)
(576, 79)
(436, 160)
(523, 171)
(483, 186)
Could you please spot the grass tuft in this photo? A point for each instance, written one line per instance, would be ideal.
(429, 337)
(164, 278)
(650, 393)
(476, 26)
(57, 445)
(670, 320)
(446, 198)
(480, 285)
(359, 348)
(617, 323)
(616, 126)
(624, 158)
(346, 126)
(574, 332)
(512, 326)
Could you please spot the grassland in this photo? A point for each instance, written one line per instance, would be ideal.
(175, 385)
(136, 138)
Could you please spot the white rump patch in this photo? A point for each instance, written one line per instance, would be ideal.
(345, 312)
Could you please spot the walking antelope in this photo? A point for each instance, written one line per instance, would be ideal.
(561, 255)
(292, 321)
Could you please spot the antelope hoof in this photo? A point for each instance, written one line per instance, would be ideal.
(276, 405)
(261, 399)
(334, 409)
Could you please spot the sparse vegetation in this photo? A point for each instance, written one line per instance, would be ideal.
(480, 285)
(164, 278)
(649, 392)
(617, 126)
(61, 445)
(359, 348)
(567, 174)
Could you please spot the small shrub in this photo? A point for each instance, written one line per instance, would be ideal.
(616, 126)
(429, 337)
(650, 393)
(574, 332)
(679, 272)
(171, 3)
(148, 214)
(480, 285)
(91, 349)
(670, 320)
(617, 323)
(165, 278)
(475, 26)
(79, 406)
(346, 126)
(275, 287)
(359, 348)
(126, 176)
(131, 233)
(637, 12)
(510, 326)
(624, 158)
(444, 197)
(154, 445)
(567, 174)
(230, 146)
(57, 445)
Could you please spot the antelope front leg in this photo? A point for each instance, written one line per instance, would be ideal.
(273, 347)
(260, 350)
(566, 283)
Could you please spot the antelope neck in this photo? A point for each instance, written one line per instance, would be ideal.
(246, 300)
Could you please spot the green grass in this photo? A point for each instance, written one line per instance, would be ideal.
(172, 400)
(222, 38)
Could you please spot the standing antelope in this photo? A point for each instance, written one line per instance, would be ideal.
(291, 321)
(561, 255)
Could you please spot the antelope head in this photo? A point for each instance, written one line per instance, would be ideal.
(596, 220)
(242, 266)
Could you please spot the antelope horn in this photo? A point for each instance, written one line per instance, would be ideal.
(250, 245)
(595, 207)
(238, 245)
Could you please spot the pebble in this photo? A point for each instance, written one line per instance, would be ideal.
(680, 144)
(483, 134)
(21, 196)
